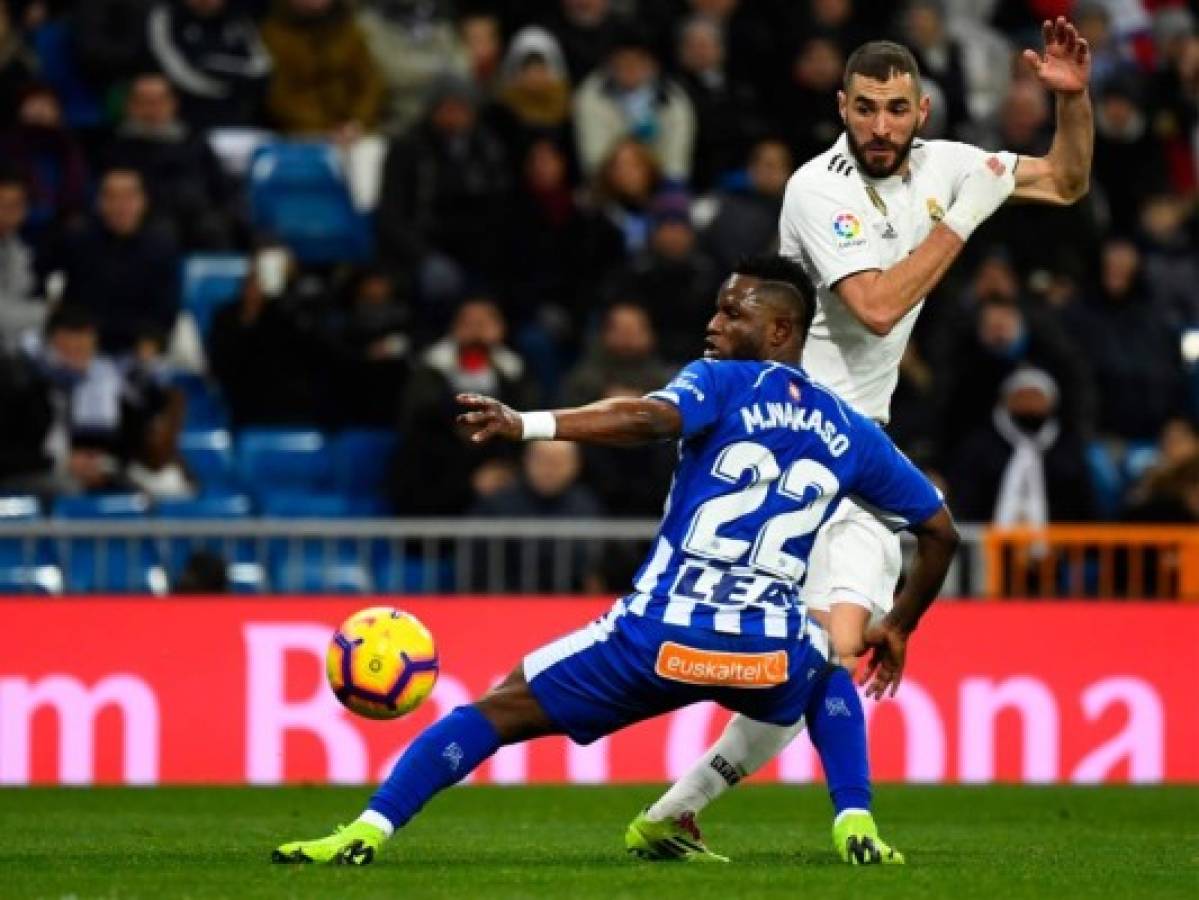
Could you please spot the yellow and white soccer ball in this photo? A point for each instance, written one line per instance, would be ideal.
(382, 663)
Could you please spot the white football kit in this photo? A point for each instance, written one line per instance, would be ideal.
(836, 221)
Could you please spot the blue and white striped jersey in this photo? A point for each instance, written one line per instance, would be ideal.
(766, 456)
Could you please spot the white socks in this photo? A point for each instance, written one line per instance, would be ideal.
(743, 748)
(380, 821)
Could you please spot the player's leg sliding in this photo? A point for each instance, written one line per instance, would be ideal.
(837, 726)
(441, 756)
(743, 748)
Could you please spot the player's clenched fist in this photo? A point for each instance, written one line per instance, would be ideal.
(488, 418)
(981, 192)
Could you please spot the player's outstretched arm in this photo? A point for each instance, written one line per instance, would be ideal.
(936, 543)
(617, 422)
(1063, 175)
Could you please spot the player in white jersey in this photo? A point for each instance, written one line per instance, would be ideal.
(876, 221)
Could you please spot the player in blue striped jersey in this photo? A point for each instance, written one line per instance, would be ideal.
(765, 455)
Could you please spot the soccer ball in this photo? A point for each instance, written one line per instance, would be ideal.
(382, 663)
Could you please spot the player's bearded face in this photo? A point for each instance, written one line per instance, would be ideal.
(881, 121)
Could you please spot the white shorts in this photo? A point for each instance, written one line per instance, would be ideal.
(855, 559)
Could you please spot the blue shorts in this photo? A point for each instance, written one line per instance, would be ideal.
(623, 668)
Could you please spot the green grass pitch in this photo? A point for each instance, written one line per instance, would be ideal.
(1007, 842)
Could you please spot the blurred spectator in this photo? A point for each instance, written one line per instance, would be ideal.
(1129, 161)
(110, 40)
(1169, 490)
(628, 96)
(49, 157)
(999, 334)
(1168, 237)
(439, 471)
(1134, 355)
(914, 424)
(20, 308)
(623, 359)
(203, 572)
(444, 196)
(533, 92)
(71, 421)
(17, 66)
(549, 242)
(371, 336)
(183, 177)
(619, 203)
(121, 270)
(1094, 22)
(265, 350)
(812, 122)
(726, 111)
(587, 31)
(751, 38)
(1171, 497)
(480, 34)
(1024, 467)
(154, 411)
(1025, 120)
(676, 279)
(1175, 91)
(745, 222)
(325, 81)
(629, 481)
(214, 57)
(548, 488)
(939, 55)
(412, 42)
(1038, 237)
(841, 21)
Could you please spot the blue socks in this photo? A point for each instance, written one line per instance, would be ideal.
(444, 753)
(837, 727)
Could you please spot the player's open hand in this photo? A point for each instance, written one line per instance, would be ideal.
(1065, 66)
(887, 648)
(488, 418)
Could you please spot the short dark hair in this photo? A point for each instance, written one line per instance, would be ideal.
(793, 287)
(70, 318)
(881, 61)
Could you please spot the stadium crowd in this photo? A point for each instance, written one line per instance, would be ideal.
(551, 191)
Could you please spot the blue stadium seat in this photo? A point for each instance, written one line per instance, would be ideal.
(283, 459)
(307, 573)
(211, 280)
(209, 458)
(298, 194)
(362, 460)
(413, 575)
(304, 505)
(125, 565)
(206, 506)
(315, 565)
(27, 566)
(205, 407)
(247, 574)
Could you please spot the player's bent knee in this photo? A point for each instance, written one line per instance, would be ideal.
(513, 710)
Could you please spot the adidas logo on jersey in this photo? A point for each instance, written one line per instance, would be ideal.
(839, 165)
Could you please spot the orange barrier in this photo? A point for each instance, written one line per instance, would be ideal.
(1101, 561)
